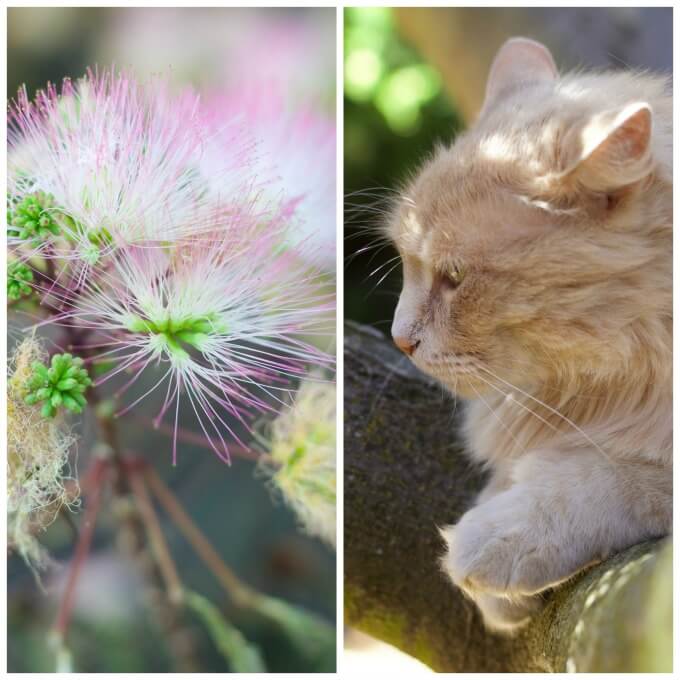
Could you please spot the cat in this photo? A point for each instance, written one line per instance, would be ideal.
(537, 267)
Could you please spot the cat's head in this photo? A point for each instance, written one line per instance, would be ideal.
(534, 244)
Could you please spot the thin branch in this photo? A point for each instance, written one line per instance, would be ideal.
(159, 546)
(242, 595)
(82, 548)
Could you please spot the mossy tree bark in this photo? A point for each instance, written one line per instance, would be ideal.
(406, 474)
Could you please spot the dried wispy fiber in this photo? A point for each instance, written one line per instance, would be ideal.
(37, 461)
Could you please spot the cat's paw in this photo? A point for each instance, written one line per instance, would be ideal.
(504, 614)
(496, 554)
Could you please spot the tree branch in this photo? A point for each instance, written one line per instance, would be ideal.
(405, 475)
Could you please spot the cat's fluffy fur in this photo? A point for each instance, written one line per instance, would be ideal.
(537, 255)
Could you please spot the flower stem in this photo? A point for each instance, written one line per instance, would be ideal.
(82, 547)
(241, 594)
(159, 546)
(133, 536)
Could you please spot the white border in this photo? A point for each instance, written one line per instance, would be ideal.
(339, 260)
(340, 316)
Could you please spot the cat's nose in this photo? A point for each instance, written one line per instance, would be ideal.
(406, 345)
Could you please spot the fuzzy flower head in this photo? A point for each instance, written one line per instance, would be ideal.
(220, 322)
(173, 258)
(107, 162)
(37, 459)
(302, 449)
(296, 148)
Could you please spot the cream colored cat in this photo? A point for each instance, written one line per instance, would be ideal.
(537, 258)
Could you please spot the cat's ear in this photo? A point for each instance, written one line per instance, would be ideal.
(519, 62)
(612, 150)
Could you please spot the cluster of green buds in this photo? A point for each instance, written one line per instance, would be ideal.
(19, 278)
(62, 384)
(32, 218)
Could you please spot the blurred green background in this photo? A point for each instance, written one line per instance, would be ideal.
(245, 520)
(395, 111)
(415, 76)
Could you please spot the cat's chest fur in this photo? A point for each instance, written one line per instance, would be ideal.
(500, 429)
(492, 430)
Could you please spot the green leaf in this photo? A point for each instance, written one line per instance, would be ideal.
(313, 637)
(241, 655)
(43, 393)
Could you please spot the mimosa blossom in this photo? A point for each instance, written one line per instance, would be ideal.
(120, 163)
(302, 446)
(172, 253)
(296, 145)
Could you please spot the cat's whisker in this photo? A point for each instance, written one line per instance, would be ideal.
(360, 208)
(375, 236)
(389, 271)
(380, 245)
(548, 388)
(376, 204)
(397, 259)
(372, 191)
(564, 418)
(374, 288)
(371, 246)
(498, 418)
(508, 396)
(379, 250)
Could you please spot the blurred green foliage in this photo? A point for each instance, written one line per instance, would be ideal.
(95, 646)
(395, 111)
(241, 655)
(382, 71)
(36, 56)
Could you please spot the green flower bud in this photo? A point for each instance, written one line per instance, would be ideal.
(32, 218)
(19, 276)
(62, 384)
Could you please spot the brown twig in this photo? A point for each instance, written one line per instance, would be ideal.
(82, 548)
(241, 594)
(159, 546)
(133, 536)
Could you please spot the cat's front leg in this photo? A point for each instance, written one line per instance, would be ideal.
(564, 511)
(507, 546)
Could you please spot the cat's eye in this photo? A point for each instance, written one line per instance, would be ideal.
(453, 277)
